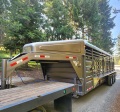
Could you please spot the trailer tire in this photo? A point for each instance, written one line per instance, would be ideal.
(114, 78)
(110, 80)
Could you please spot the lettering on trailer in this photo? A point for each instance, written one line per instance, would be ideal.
(19, 61)
(42, 56)
(77, 63)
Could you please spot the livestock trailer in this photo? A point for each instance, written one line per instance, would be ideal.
(72, 61)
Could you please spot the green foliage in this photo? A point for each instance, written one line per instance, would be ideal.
(117, 60)
(118, 45)
(106, 25)
(3, 4)
(4, 54)
(88, 18)
(26, 21)
(58, 20)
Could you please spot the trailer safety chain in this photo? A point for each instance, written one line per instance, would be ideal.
(20, 77)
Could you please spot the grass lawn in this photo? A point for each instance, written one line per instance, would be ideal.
(4, 54)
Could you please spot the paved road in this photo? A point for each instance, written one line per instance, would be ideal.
(103, 99)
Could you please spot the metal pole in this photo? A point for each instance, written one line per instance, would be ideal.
(3, 77)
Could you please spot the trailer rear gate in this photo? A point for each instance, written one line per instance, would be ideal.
(28, 97)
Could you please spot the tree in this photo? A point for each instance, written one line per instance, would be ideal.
(25, 23)
(106, 25)
(58, 25)
(118, 45)
(93, 17)
(3, 5)
(30, 21)
(115, 11)
(86, 17)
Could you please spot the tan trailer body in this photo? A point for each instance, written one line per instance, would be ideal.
(73, 61)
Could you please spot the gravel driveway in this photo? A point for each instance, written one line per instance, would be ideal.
(103, 99)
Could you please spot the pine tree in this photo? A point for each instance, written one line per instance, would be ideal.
(106, 25)
(25, 22)
(3, 10)
(85, 15)
(58, 23)
(118, 45)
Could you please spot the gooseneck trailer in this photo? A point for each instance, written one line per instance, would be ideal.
(76, 62)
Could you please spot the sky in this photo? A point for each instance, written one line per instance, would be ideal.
(116, 29)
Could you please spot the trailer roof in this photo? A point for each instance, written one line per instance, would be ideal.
(96, 48)
(68, 41)
(55, 42)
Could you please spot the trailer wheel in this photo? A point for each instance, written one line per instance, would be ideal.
(114, 78)
(110, 80)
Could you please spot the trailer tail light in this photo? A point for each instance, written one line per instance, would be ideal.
(71, 57)
(19, 61)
